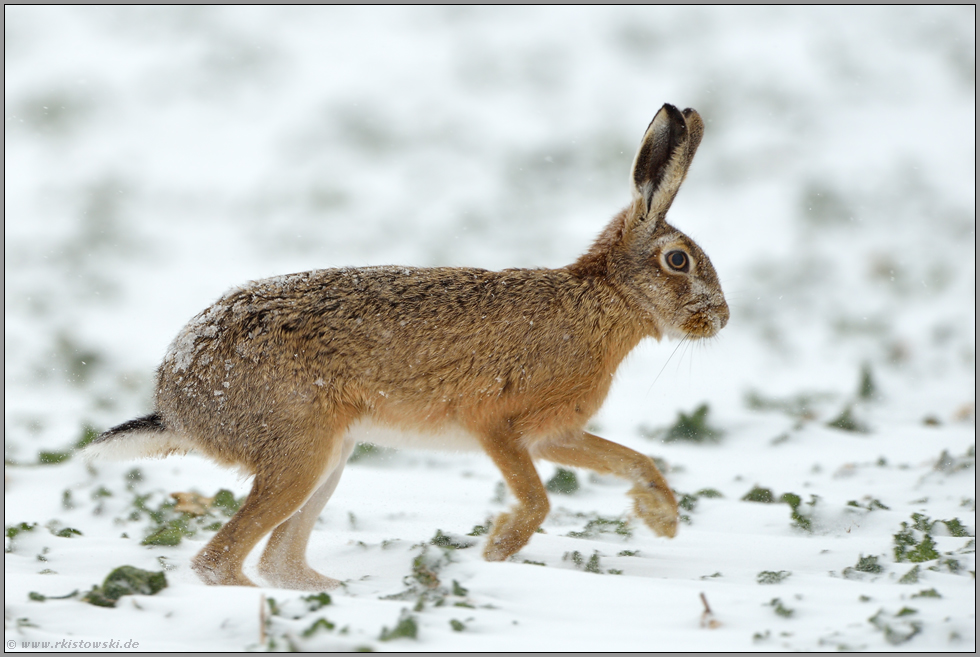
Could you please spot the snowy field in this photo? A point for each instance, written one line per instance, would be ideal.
(157, 157)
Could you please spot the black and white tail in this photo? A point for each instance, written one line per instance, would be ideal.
(144, 437)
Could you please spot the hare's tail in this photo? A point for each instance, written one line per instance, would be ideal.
(144, 437)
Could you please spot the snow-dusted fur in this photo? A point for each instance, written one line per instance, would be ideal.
(282, 376)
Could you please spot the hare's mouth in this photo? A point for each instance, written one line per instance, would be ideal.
(702, 325)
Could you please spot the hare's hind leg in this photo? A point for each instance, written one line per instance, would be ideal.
(288, 477)
(653, 501)
(512, 530)
(283, 561)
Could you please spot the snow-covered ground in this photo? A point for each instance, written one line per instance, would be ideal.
(156, 157)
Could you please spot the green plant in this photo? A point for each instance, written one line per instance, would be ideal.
(599, 525)
(847, 422)
(780, 609)
(772, 577)
(868, 564)
(866, 387)
(895, 632)
(125, 580)
(318, 625)
(405, 628)
(759, 494)
(693, 427)
(909, 548)
(564, 482)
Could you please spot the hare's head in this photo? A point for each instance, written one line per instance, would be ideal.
(654, 265)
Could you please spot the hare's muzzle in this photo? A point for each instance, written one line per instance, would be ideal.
(707, 322)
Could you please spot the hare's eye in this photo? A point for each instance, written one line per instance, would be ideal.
(678, 261)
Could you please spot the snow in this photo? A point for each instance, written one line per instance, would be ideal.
(158, 157)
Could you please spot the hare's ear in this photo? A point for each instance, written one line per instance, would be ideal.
(662, 161)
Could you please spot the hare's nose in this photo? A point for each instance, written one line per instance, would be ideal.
(723, 315)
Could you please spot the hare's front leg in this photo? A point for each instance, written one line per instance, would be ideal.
(283, 561)
(512, 530)
(653, 501)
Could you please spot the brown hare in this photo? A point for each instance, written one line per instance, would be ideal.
(282, 377)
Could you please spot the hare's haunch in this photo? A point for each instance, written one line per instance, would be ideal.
(283, 376)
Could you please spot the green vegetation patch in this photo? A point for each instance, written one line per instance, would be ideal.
(911, 577)
(867, 388)
(865, 564)
(51, 458)
(405, 628)
(65, 532)
(847, 422)
(710, 493)
(13, 531)
(693, 428)
(948, 463)
(896, 628)
(956, 528)
(365, 452)
(591, 565)
(780, 609)
(868, 564)
(759, 494)
(88, 435)
(802, 407)
(599, 525)
(285, 624)
(319, 625)
(564, 482)
(183, 515)
(450, 542)
(913, 543)
(226, 502)
(125, 580)
(689, 501)
(425, 571)
(424, 584)
(800, 520)
(54, 457)
(870, 506)
(480, 530)
(317, 601)
(795, 502)
(772, 577)
(39, 597)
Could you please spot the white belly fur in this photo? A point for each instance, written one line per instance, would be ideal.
(450, 439)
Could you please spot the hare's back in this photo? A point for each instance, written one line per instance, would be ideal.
(426, 342)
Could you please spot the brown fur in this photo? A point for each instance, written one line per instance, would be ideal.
(272, 377)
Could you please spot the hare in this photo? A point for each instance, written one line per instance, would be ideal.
(282, 377)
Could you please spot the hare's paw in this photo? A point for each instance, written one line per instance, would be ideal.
(301, 578)
(502, 541)
(218, 572)
(511, 532)
(656, 508)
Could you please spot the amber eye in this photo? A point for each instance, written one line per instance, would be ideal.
(678, 261)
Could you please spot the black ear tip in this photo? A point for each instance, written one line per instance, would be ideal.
(672, 111)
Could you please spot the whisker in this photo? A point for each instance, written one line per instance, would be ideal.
(657, 378)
